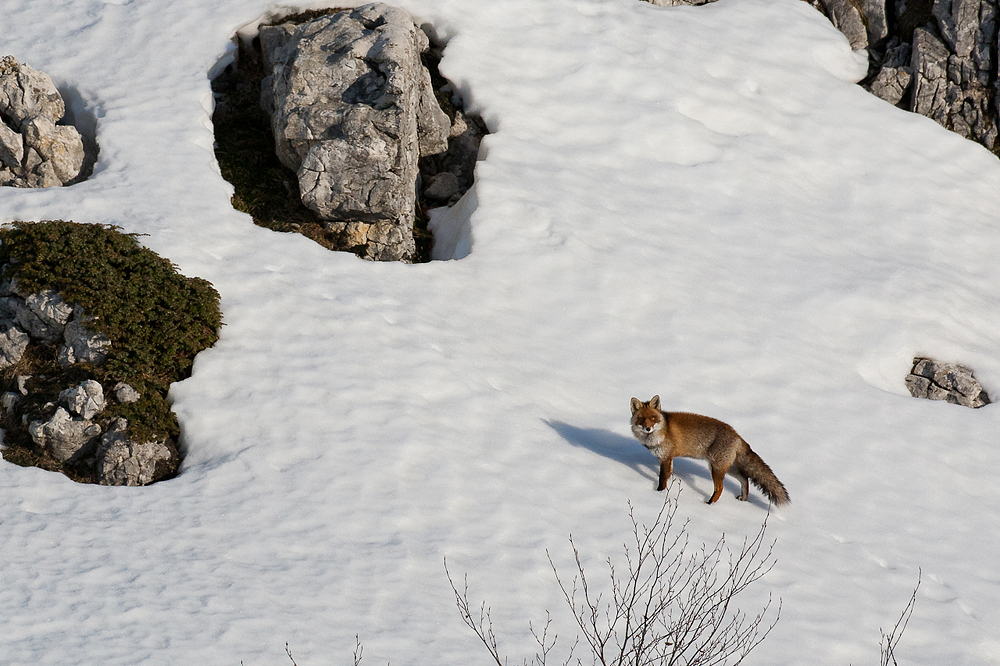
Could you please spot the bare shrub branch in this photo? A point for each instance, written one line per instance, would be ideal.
(666, 603)
(891, 640)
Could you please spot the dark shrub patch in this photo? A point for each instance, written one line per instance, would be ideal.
(156, 320)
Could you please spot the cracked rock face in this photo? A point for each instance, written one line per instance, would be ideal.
(353, 109)
(34, 150)
(933, 57)
(954, 383)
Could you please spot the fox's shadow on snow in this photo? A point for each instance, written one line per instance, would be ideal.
(632, 454)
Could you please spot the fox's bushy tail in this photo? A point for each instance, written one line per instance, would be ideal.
(754, 468)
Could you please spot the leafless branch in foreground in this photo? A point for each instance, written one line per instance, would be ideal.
(891, 640)
(667, 603)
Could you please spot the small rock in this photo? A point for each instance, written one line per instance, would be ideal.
(125, 393)
(8, 400)
(13, 342)
(68, 439)
(22, 383)
(86, 399)
(125, 462)
(954, 383)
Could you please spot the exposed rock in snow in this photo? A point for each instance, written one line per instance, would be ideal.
(26, 93)
(933, 58)
(34, 150)
(352, 110)
(945, 381)
(125, 462)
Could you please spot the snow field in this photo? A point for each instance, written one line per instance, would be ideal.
(694, 202)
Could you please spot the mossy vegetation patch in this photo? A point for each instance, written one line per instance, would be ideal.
(156, 320)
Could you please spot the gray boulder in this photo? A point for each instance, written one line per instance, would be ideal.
(34, 150)
(954, 383)
(352, 109)
(124, 462)
(26, 93)
(66, 438)
(85, 399)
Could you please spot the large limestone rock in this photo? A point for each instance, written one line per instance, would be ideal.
(26, 93)
(352, 110)
(34, 150)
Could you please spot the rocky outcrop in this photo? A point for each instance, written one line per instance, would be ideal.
(35, 151)
(954, 383)
(352, 110)
(933, 57)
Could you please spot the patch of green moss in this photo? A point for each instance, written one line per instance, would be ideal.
(156, 319)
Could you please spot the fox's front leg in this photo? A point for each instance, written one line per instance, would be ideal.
(666, 469)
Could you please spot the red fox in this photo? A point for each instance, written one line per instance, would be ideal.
(671, 434)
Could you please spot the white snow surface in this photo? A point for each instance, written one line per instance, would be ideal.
(696, 202)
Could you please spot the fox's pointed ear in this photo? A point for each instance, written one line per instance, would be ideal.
(636, 404)
(654, 402)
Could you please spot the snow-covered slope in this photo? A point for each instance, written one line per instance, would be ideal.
(694, 202)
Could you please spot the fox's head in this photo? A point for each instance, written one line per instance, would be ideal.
(646, 417)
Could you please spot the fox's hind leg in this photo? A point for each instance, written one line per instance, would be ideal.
(718, 475)
(744, 486)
